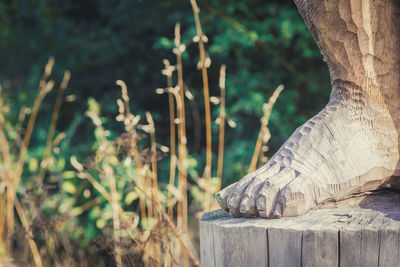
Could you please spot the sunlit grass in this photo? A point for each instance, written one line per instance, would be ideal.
(141, 220)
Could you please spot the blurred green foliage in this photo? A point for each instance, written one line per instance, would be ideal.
(263, 44)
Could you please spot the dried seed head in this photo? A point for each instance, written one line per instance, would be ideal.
(135, 120)
(164, 149)
(49, 67)
(168, 68)
(215, 100)
(120, 117)
(66, 78)
(149, 118)
(195, 38)
(121, 106)
(27, 111)
(222, 72)
(48, 87)
(188, 94)
(183, 140)
(59, 138)
(149, 128)
(174, 90)
(207, 63)
(56, 150)
(70, 98)
(196, 9)
(177, 32)
(160, 91)
(96, 120)
(86, 193)
(267, 135)
(166, 62)
(124, 90)
(22, 114)
(75, 163)
(231, 123)
(179, 50)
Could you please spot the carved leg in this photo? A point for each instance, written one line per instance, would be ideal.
(352, 145)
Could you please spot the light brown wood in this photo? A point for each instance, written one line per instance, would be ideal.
(361, 231)
(352, 145)
(320, 248)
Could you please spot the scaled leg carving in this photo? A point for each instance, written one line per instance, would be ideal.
(350, 146)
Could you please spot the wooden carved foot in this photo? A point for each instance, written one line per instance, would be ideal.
(352, 145)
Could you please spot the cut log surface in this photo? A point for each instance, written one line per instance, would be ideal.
(361, 231)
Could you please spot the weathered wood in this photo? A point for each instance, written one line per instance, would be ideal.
(352, 145)
(207, 243)
(362, 231)
(284, 247)
(225, 233)
(320, 248)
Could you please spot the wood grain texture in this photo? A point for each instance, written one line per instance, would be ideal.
(352, 145)
(361, 231)
(320, 247)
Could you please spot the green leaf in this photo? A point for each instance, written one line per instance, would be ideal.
(33, 164)
(93, 106)
(69, 187)
(130, 197)
(68, 174)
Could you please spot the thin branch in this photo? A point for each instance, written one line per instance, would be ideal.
(264, 126)
(32, 244)
(171, 105)
(53, 123)
(201, 38)
(221, 126)
(182, 140)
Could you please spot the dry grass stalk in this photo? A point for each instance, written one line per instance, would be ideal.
(25, 224)
(182, 140)
(201, 38)
(221, 126)
(167, 71)
(124, 115)
(263, 135)
(15, 169)
(160, 209)
(44, 88)
(107, 173)
(141, 178)
(148, 192)
(82, 173)
(115, 214)
(151, 130)
(4, 175)
(53, 123)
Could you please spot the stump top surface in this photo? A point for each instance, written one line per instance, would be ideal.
(372, 211)
(361, 231)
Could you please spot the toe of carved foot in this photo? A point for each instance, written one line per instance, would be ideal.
(264, 199)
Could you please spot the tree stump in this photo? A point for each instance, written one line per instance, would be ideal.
(361, 231)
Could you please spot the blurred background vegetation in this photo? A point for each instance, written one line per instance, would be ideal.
(262, 43)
